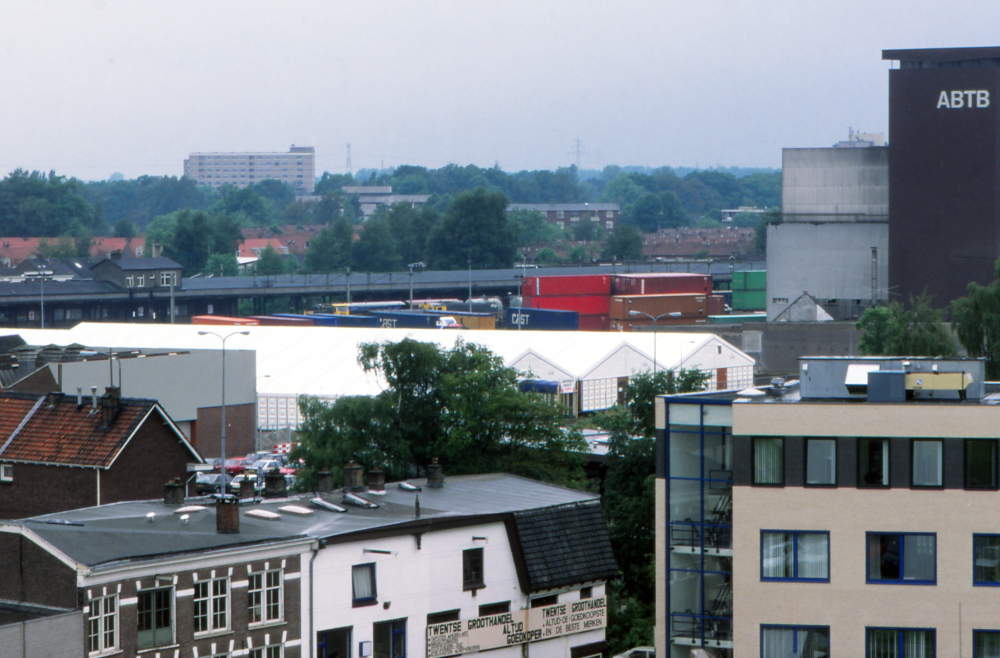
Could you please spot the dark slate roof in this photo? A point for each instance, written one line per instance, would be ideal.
(565, 545)
(133, 264)
(942, 54)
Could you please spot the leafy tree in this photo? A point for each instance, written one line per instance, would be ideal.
(270, 262)
(222, 265)
(976, 318)
(772, 216)
(376, 250)
(330, 250)
(474, 228)
(897, 331)
(62, 248)
(330, 183)
(645, 212)
(125, 229)
(531, 227)
(624, 243)
(33, 204)
(746, 219)
(708, 222)
(460, 405)
(585, 230)
(279, 194)
(577, 255)
(547, 256)
(246, 201)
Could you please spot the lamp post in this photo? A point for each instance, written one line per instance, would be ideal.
(674, 314)
(41, 276)
(256, 409)
(222, 443)
(470, 285)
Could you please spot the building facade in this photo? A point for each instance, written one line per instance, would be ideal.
(844, 514)
(296, 168)
(564, 215)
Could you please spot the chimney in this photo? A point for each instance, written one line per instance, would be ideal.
(376, 480)
(324, 482)
(111, 406)
(352, 477)
(116, 254)
(93, 399)
(227, 516)
(247, 487)
(157, 250)
(274, 485)
(52, 399)
(79, 397)
(435, 475)
(173, 492)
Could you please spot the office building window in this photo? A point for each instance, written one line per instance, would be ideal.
(265, 597)
(103, 626)
(980, 463)
(769, 461)
(211, 605)
(794, 641)
(873, 462)
(985, 644)
(363, 576)
(899, 643)
(986, 560)
(472, 569)
(900, 558)
(154, 611)
(821, 462)
(390, 639)
(794, 556)
(927, 463)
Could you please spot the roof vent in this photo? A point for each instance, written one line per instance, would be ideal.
(263, 514)
(329, 507)
(887, 386)
(358, 501)
(111, 406)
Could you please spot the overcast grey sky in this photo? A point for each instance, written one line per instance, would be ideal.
(90, 88)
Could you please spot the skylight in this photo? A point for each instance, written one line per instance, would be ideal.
(406, 486)
(189, 509)
(359, 501)
(295, 509)
(263, 514)
(329, 507)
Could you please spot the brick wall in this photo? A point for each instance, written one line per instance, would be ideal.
(28, 574)
(240, 430)
(41, 489)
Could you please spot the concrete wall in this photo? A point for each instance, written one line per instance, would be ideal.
(830, 261)
(59, 636)
(831, 184)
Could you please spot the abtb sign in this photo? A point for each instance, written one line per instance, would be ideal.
(958, 99)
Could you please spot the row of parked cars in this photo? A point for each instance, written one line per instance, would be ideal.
(253, 467)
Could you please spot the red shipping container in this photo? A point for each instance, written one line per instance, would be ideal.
(223, 320)
(695, 306)
(582, 304)
(271, 321)
(594, 323)
(664, 283)
(560, 286)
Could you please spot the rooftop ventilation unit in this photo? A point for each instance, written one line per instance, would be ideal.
(857, 377)
(887, 386)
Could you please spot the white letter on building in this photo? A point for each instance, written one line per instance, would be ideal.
(943, 100)
(956, 100)
(982, 98)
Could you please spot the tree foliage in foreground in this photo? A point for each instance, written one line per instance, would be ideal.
(977, 322)
(629, 502)
(895, 330)
(460, 405)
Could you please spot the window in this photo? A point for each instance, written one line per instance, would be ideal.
(795, 556)
(155, 618)
(980, 463)
(6, 472)
(986, 560)
(491, 609)
(103, 627)
(265, 597)
(769, 461)
(609, 214)
(794, 641)
(873, 462)
(560, 214)
(128, 282)
(363, 576)
(586, 592)
(442, 617)
(390, 639)
(472, 569)
(928, 462)
(899, 643)
(542, 601)
(985, 644)
(272, 651)
(168, 278)
(140, 281)
(902, 558)
(609, 225)
(211, 605)
(821, 462)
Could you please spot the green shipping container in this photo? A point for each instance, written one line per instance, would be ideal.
(737, 318)
(756, 280)
(739, 280)
(749, 300)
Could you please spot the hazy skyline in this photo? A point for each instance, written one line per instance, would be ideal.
(91, 88)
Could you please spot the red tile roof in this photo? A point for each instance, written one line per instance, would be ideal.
(52, 430)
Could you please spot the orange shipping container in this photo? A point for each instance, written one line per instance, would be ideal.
(646, 325)
(689, 306)
(223, 320)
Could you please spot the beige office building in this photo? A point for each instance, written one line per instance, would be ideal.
(850, 513)
(296, 168)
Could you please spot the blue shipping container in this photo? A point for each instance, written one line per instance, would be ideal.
(542, 319)
(401, 320)
(323, 320)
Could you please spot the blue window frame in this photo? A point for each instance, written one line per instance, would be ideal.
(899, 643)
(985, 644)
(901, 558)
(986, 560)
(363, 581)
(795, 555)
(794, 641)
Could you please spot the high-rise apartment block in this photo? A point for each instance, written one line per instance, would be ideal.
(296, 168)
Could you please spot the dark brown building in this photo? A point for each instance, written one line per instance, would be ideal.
(944, 170)
(140, 274)
(61, 453)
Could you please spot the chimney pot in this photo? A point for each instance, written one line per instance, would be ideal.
(227, 516)
(324, 482)
(79, 397)
(93, 398)
(376, 479)
(274, 486)
(435, 475)
(173, 493)
(352, 477)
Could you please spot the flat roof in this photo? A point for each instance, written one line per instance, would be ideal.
(942, 54)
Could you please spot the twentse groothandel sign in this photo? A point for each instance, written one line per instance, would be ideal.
(954, 100)
(483, 633)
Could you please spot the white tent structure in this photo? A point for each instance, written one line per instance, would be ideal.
(323, 361)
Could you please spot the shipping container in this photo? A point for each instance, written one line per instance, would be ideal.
(561, 286)
(737, 318)
(223, 320)
(542, 319)
(739, 280)
(406, 320)
(749, 300)
(582, 304)
(647, 325)
(274, 321)
(663, 283)
(594, 323)
(690, 306)
(333, 320)
(477, 321)
(756, 280)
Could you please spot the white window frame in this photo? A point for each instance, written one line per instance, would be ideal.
(609, 225)
(213, 602)
(609, 214)
(560, 214)
(129, 282)
(6, 472)
(166, 278)
(100, 616)
(140, 281)
(173, 615)
(269, 651)
(260, 588)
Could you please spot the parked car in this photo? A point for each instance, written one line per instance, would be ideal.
(238, 481)
(265, 466)
(215, 463)
(448, 322)
(210, 483)
(237, 465)
(638, 652)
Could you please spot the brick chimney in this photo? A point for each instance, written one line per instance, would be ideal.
(173, 492)
(227, 516)
(352, 477)
(324, 482)
(376, 480)
(435, 475)
(111, 406)
(157, 250)
(274, 485)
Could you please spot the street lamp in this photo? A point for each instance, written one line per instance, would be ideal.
(41, 276)
(470, 285)
(222, 443)
(674, 314)
(412, 267)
